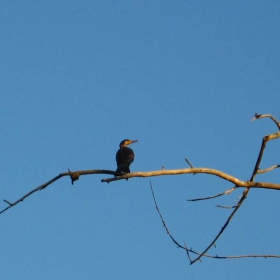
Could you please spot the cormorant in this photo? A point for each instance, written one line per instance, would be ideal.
(124, 156)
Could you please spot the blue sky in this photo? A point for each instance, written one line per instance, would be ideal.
(182, 77)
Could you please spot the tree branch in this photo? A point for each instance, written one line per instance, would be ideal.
(262, 116)
(188, 250)
(75, 175)
(197, 170)
(262, 171)
(246, 192)
(214, 196)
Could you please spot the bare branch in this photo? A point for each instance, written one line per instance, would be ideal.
(225, 207)
(189, 163)
(214, 196)
(262, 171)
(266, 138)
(163, 222)
(233, 257)
(222, 229)
(11, 204)
(247, 190)
(73, 175)
(195, 170)
(262, 116)
(188, 250)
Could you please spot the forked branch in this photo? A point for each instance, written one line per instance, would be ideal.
(199, 254)
(250, 184)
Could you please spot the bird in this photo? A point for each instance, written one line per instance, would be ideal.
(124, 157)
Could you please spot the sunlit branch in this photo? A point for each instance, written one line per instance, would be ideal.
(262, 171)
(197, 170)
(75, 175)
(262, 116)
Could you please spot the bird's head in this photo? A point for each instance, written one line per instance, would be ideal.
(127, 142)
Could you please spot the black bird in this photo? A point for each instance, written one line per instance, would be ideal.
(124, 157)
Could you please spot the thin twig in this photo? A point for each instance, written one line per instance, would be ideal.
(261, 116)
(262, 171)
(189, 163)
(233, 257)
(221, 231)
(188, 252)
(12, 204)
(225, 207)
(214, 196)
(162, 220)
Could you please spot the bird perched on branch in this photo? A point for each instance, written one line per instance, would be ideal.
(124, 157)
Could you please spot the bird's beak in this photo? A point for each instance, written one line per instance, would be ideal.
(132, 141)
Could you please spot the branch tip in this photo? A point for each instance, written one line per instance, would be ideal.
(189, 163)
(11, 204)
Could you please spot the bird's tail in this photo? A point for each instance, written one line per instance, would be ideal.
(122, 169)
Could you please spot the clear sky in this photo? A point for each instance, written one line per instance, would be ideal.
(182, 77)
